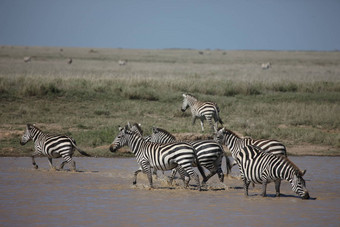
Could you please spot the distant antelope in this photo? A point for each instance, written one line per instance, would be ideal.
(266, 65)
(69, 61)
(27, 59)
(122, 62)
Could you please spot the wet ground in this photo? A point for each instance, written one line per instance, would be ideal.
(102, 194)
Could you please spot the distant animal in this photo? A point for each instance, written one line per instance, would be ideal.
(202, 110)
(260, 167)
(51, 146)
(122, 62)
(266, 65)
(158, 156)
(27, 59)
(209, 153)
(69, 61)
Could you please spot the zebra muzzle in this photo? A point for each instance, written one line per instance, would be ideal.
(113, 148)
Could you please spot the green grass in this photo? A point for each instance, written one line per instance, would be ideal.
(296, 101)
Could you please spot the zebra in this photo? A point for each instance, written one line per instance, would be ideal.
(235, 143)
(27, 59)
(122, 62)
(259, 167)
(202, 110)
(209, 153)
(266, 65)
(159, 156)
(52, 146)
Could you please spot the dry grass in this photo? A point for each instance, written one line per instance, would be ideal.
(89, 98)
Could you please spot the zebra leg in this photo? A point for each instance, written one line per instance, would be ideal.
(277, 187)
(209, 120)
(202, 125)
(171, 178)
(264, 188)
(154, 172)
(148, 172)
(135, 176)
(246, 186)
(51, 164)
(62, 165)
(35, 166)
(195, 176)
(184, 176)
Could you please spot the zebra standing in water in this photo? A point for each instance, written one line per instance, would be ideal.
(236, 143)
(209, 153)
(52, 146)
(159, 156)
(202, 110)
(262, 168)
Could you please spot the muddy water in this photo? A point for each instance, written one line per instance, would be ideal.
(102, 194)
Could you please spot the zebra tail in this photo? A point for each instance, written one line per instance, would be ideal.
(200, 168)
(228, 164)
(78, 149)
(82, 152)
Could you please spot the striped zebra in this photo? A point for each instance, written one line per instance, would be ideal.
(235, 143)
(209, 153)
(259, 167)
(52, 146)
(159, 156)
(202, 110)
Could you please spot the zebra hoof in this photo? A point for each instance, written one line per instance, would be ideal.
(35, 167)
(134, 183)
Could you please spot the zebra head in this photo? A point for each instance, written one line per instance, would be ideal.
(120, 140)
(219, 136)
(299, 185)
(185, 103)
(27, 134)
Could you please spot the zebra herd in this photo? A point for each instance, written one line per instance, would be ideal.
(259, 161)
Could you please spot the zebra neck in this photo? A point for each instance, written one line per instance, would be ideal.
(234, 143)
(135, 142)
(191, 101)
(36, 134)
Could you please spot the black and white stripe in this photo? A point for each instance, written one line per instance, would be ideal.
(259, 167)
(209, 153)
(235, 143)
(52, 146)
(203, 110)
(159, 156)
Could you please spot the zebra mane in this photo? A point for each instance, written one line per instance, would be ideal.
(33, 126)
(166, 132)
(298, 171)
(231, 132)
(192, 96)
(138, 128)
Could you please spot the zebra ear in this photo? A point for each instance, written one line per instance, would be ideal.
(29, 126)
(303, 172)
(184, 95)
(129, 125)
(154, 129)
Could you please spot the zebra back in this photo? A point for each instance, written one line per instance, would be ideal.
(235, 143)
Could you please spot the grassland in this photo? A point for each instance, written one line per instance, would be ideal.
(296, 101)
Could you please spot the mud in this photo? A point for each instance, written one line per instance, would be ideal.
(102, 194)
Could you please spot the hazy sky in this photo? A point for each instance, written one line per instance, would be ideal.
(239, 24)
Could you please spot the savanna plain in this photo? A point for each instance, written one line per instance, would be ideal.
(296, 101)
